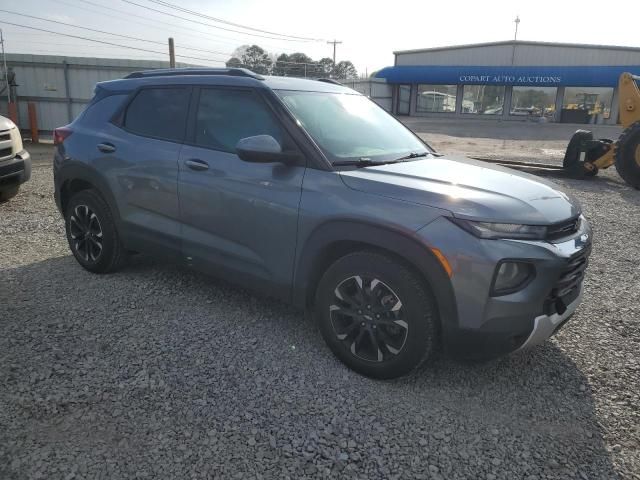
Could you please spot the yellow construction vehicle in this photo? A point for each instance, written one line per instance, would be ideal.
(585, 156)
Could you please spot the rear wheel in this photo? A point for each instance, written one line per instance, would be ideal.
(8, 193)
(376, 315)
(627, 156)
(91, 233)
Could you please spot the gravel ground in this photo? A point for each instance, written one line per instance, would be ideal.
(159, 372)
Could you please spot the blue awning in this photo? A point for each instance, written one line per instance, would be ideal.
(577, 76)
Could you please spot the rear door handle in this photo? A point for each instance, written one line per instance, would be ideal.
(197, 164)
(106, 147)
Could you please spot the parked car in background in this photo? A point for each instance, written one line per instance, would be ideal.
(308, 191)
(15, 161)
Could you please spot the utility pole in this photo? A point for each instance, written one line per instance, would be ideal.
(515, 39)
(335, 42)
(6, 70)
(172, 54)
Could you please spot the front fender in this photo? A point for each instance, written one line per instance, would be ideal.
(311, 259)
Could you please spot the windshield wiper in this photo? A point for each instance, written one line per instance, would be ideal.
(412, 155)
(367, 162)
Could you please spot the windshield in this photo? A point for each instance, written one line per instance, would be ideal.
(351, 127)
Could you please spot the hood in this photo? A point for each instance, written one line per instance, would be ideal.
(468, 189)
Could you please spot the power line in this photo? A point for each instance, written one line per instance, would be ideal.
(108, 43)
(208, 24)
(226, 22)
(109, 33)
(218, 38)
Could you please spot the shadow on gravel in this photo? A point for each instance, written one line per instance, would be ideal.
(161, 370)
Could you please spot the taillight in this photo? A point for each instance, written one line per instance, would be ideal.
(60, 134)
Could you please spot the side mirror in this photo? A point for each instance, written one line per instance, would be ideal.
(263, 149)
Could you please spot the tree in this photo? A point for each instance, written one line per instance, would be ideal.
(257, 60)
(345, 70)
(296, 65)
(280, 65)
(325, 67)
(234, 62)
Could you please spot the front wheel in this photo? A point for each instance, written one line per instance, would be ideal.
(91, 233)
(377, 316)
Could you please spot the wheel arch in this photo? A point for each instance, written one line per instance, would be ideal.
(75, 177)
(335, 239)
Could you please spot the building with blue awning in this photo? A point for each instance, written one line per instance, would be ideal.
(513, 80)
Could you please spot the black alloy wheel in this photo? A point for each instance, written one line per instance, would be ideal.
(367, 317)
(86, 233)
(92, 234)
(377, 314)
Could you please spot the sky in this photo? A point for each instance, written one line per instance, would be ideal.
(370, 31)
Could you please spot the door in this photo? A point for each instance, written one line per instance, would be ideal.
(140, 161)
(404, 99)
(239, 218)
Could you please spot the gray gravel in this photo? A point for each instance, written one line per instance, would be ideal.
(159, 372)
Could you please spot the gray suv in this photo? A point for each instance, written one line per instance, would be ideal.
(308, 191)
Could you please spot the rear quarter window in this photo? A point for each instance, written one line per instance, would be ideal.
(158, 113)
(103, 110)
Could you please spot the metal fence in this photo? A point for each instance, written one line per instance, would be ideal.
(376, 89)
(62, 86)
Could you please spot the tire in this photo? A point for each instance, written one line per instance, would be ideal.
(627, 155)
(91, 233)
(8, 193)
(572, 155)
(402, 319)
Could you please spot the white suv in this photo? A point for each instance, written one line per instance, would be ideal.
(15, 161)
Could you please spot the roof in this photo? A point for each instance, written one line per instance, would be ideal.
(516, 42)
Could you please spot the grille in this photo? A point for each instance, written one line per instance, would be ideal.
(14, 168)
(566, 288)
(5, 136)
(563, 229)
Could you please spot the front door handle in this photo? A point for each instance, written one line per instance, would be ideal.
(197, 164)
(106, 147)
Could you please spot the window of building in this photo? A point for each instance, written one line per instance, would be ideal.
(436, 98)
(591, 100)
(226, 116)
(533, 101)
(483, 99)
(159, 113)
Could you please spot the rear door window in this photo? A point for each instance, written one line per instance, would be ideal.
(225, 116)
(159, 113)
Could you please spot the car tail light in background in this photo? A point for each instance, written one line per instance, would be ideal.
(60, 134)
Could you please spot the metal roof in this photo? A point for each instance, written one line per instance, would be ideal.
(517, 42)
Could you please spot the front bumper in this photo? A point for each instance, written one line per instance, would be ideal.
(545, 326)
(488, 326)
(16, 170)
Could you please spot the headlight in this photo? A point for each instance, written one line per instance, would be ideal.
(502, 230)
(510, 277)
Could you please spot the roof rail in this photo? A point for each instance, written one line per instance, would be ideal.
(329, 80)
(168, 72)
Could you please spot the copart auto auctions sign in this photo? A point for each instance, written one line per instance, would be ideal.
(512, 79)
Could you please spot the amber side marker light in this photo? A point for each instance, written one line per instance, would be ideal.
(443, 261)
